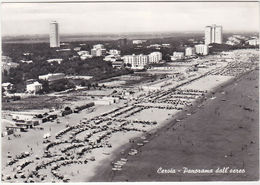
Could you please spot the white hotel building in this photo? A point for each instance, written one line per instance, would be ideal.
(136, 61)
(155, 57)
(202, 49)
(139, 61)
(189, 51)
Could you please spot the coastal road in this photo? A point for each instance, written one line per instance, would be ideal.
(222, 134)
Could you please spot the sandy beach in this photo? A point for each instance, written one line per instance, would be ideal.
(219, 133)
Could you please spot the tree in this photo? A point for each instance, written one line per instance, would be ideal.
(5, 72)
(40, 52)
(41, 91)
(57, 87)
(82, 83)
(70, 85)
(67, 108)
(45, 86)
(89, 85)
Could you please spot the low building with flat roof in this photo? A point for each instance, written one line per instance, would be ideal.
(52, 77)
(59, 60)
(253, 42)
(7, 86)
(34, 87)
(114, 52)
(178, 55)
(118, 64)
(106, 101)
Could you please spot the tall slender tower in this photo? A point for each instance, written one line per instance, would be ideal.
(54, 35)
(213, 34)
(208, 35)
(218, 35)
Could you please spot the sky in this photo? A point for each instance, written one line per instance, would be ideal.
(74, 18)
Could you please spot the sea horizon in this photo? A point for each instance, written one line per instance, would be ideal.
(70, 37)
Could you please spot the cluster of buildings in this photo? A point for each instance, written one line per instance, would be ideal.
(213, 34)
(99, 50)
(24, 121)
(235, 40)
(118, 61)
(199, 49)
(84, 55)
(239, 39)
(33, 86)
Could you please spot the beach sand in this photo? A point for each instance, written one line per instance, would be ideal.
(222, 132)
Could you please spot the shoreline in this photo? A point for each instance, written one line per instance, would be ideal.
(166, 125)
